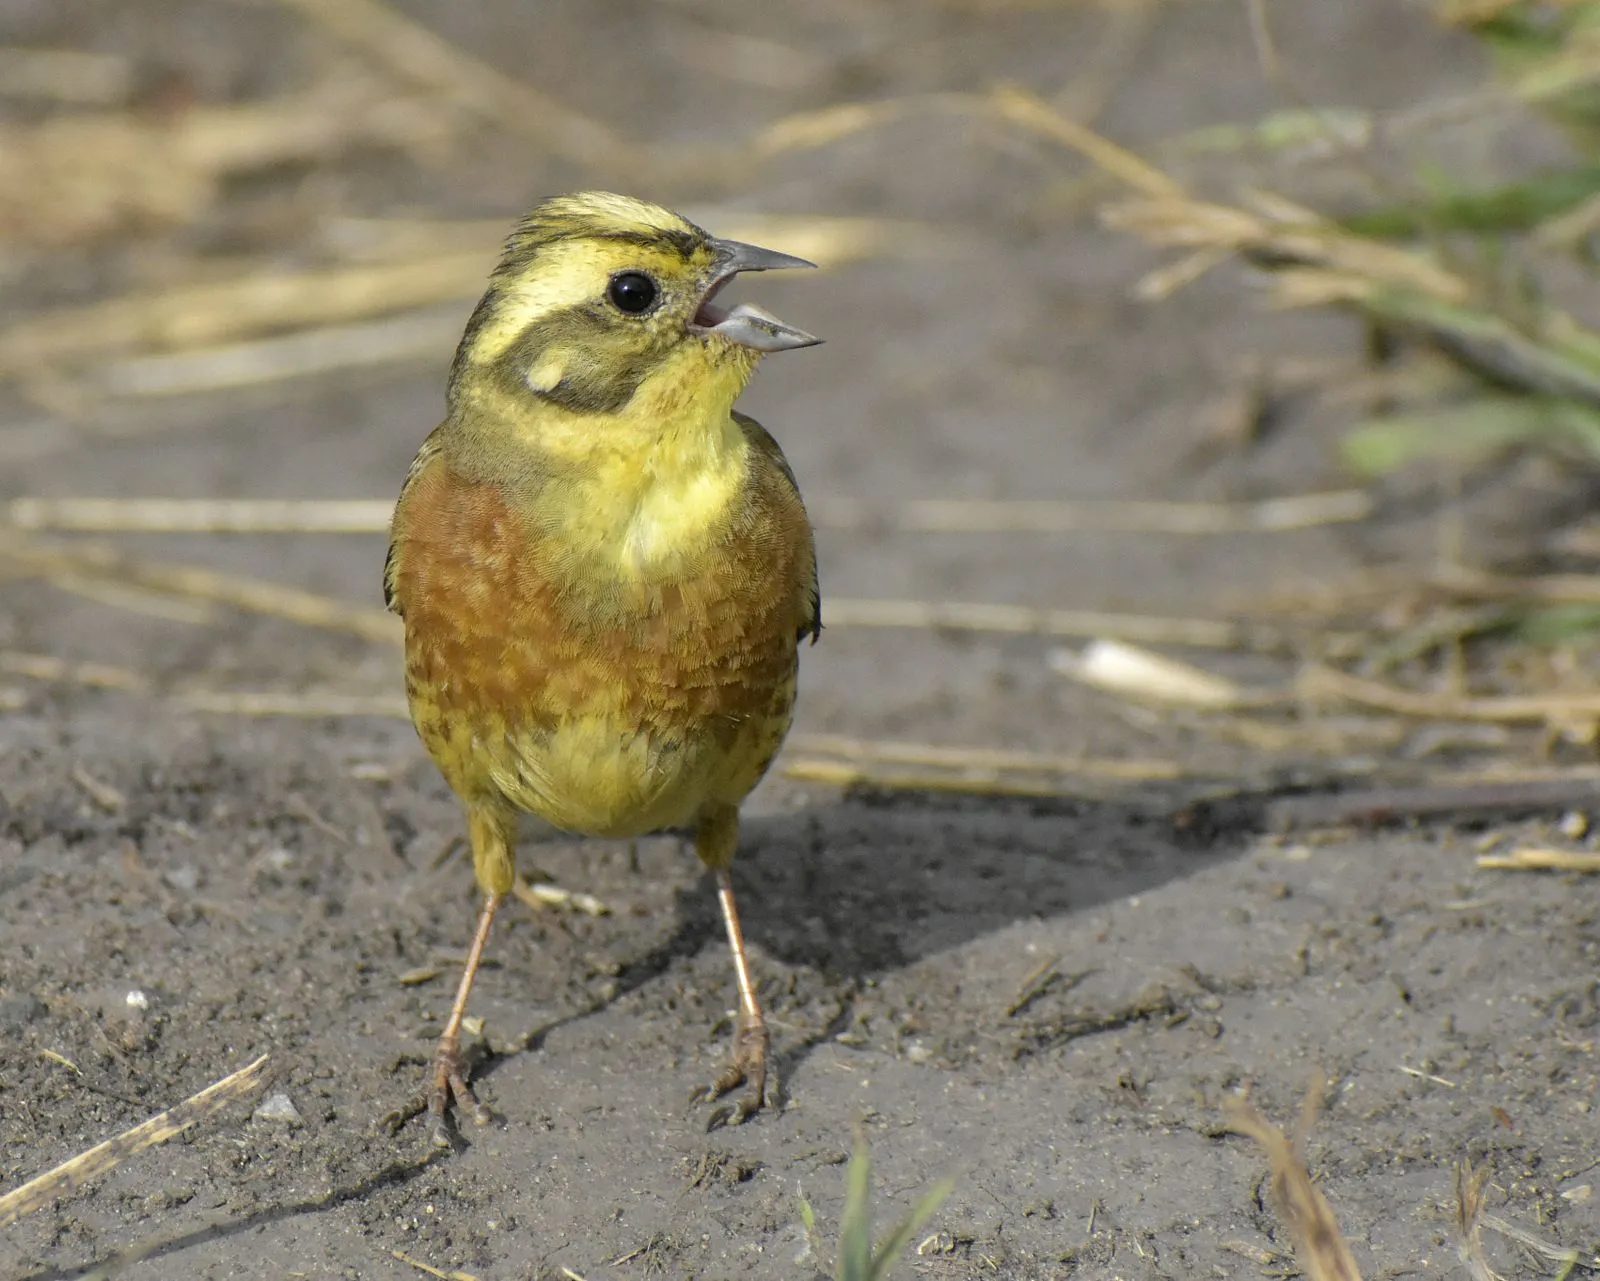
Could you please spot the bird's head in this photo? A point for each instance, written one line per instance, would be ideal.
(599, 295)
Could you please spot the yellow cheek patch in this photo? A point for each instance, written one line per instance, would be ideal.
(545, 375)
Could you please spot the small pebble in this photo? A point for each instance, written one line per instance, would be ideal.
(1575, 825)
(185, 877)
(276, 1107)
(137, 1000)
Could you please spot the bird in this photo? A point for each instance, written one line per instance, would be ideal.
(604, 571)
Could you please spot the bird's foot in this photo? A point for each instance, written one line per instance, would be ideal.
(449, 1085)
(751, 1047)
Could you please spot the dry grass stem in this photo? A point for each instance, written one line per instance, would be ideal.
(1470, 1183)
(52, 1057)
(994, 759)
(1023, 620)
(200, 515)
(211, 314)
(1524, 346)
(1322, 736)
(1549, 589)
(317, 705)
(415, 336)
(311, 705)
(1334, 266)
(1323, 684)
(1430, 1077)
(47, 667)
(200, 583)
(371, 516)
(1018, 107)
(1057, 516)
(1535, 859)
(1144, 676)
(85, 176)
(69, 1177)
(410, 52)
(1034, 984)
(1509, 772)
(430, 1270)
(975, 782)
(1319, 1246)
(136, 600)
(1568, 1258)
(103, 794)
(329, 614)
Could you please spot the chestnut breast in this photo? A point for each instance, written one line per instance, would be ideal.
(542, 678)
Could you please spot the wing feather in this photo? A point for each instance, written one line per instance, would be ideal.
(768, 449)
(391, 561)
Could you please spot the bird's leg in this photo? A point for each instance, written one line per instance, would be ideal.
(449, 1071)
(751, 1042)
(716, 841)
(490, 832)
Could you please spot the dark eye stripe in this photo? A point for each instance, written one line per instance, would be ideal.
(601, 380)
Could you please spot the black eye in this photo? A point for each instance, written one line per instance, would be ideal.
(633, 292)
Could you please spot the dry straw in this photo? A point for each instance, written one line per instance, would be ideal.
(326, 613)
(1319, 1246)
(1531, 859)
(70, 1177)
(88, 175)
(929, 515)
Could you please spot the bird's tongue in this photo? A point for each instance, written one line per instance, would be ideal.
(710, 314)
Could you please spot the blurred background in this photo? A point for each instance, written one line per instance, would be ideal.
(1259, 335)
(1209, 409)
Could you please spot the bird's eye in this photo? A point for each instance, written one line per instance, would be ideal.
(633, 292)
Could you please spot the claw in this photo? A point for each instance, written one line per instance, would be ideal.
(751, 1046)
(450, 1086)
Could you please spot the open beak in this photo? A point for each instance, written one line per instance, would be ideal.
(745, 323)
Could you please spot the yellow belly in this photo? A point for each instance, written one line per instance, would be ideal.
(601, 775)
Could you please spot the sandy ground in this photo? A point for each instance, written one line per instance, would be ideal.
(267, 883)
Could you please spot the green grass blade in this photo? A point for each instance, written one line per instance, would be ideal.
(1465, 434)
(1558, 624)
(855, 1230)
(1515, 207)
(858, 1259)
(1491, 347)
(895, 1242)
(1317, 130)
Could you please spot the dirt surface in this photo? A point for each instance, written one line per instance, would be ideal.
(277, 886)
